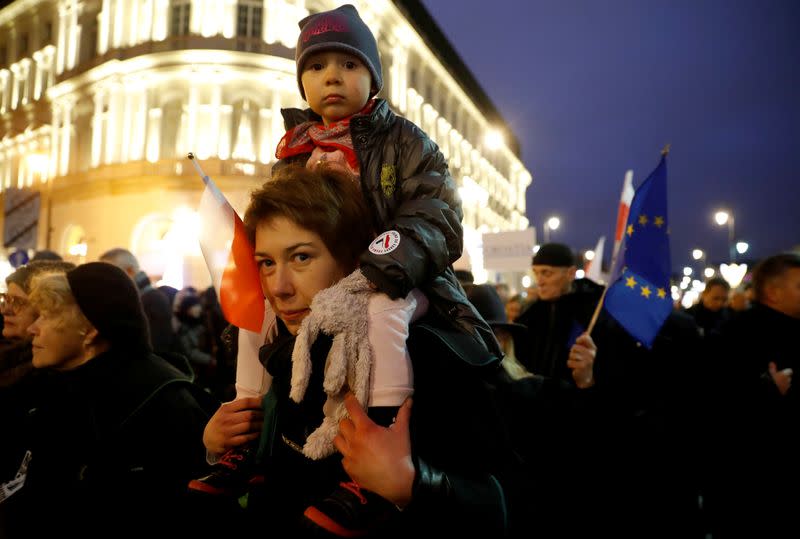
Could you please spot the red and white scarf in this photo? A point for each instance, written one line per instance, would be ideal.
(307, 136)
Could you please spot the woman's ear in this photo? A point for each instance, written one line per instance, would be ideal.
(90, 336)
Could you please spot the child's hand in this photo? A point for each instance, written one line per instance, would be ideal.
(233, 424)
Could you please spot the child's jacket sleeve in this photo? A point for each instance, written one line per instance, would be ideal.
(427, 217)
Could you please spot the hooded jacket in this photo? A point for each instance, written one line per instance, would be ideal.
(406, 183)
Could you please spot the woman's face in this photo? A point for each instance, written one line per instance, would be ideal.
(294, 264)
(58, 341)
(18, 313)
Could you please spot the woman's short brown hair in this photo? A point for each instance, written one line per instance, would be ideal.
(325, 201)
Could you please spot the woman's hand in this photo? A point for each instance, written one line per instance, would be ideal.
(233, 424)
(377, 458)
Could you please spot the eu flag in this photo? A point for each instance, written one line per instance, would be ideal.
(639, 299)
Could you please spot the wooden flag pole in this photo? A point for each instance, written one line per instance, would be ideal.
(597, 311)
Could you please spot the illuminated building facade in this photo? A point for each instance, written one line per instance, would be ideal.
(101, 100)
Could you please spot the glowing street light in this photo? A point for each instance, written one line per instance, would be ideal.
(551, 224)
(742, 247)
(733, 273)
(589, 255)
(723, 218)
(687, 271)
(709, 273)
(700, 255)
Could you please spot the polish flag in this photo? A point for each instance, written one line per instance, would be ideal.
(229, 258)
(594, 267)
(622, 214)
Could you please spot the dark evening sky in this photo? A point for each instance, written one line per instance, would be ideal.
(593, 88)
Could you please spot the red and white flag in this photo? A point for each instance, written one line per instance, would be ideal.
(622, 213)
(594, 267)
(229, 258)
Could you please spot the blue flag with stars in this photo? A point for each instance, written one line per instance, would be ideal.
(639, 299)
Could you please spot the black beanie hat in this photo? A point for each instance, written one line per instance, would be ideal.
(487, 302)
(554, 254)
(343, 30)
(108, 298)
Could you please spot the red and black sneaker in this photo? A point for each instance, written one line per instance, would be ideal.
(350, 511)
(232, 476)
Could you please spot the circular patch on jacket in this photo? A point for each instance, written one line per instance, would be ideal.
(385, 243)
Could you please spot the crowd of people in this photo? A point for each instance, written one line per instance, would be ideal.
(391, 395)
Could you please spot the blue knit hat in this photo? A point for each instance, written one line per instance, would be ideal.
(339, 29)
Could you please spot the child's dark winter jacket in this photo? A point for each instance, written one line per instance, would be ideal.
(406, 182)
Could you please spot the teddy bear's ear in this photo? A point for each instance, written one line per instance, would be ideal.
(301, 357)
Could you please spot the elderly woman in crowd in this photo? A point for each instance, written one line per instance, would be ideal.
(18, 315)
(115, 431)
(17, 377)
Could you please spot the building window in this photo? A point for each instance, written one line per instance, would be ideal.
(23, 45)
(3, 56)
(248, 19)
(47, 33)
(179, 18)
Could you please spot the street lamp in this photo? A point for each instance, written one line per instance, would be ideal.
(551, 224)
(722, 218)
(742, 247)
(699, 254)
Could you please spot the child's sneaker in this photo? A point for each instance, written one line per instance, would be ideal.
(232, 475)
(350, 511)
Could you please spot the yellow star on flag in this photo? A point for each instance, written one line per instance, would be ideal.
(630, 230)
(659, 222)
(642, 219)
(662, 293)
(631, 282)
(646, 291)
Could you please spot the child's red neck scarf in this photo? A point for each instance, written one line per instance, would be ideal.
(306, 136)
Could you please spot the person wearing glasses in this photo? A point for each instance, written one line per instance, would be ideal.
(16, 368)
(18, 315)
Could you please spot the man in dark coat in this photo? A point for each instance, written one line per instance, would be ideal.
(757, 409)
(562, 312)
(711, 311)
(616, 431)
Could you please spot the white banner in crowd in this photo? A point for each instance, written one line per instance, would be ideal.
(508, 251)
